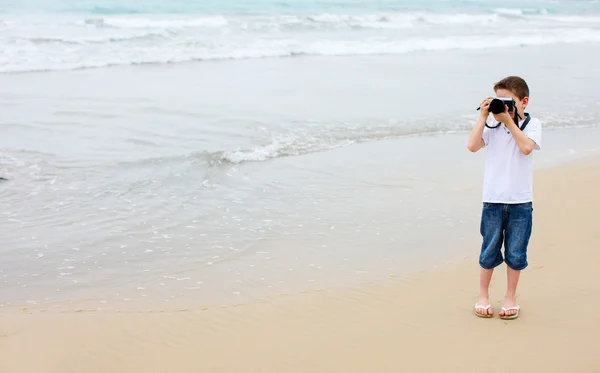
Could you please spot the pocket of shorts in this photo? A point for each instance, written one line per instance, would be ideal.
(527, 206)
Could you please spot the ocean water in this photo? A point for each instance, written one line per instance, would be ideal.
(66, 35)
(218, 152)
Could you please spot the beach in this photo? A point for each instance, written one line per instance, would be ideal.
(175, 185)
(422, 323)
(285, 186)
(162, 155)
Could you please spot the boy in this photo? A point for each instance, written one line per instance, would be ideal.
(507, 190)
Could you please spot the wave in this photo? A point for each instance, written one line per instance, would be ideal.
(114, 7)
(318, 138)
(294, 139)
(73, 43)
(298, 139)
(136, 23)
(324, 20)
(29, 59)
(295, 145)
(97, 40)
(284, 146)
(333, 21)
(337, 21)
(114, 10)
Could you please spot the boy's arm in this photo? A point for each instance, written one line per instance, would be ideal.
(476, 137)
(525, 144)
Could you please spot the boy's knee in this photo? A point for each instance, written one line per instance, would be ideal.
(489, 263)
(518, 263)
(516, 255)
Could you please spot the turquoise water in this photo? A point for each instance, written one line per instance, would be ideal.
(112, 7)
(70, 35)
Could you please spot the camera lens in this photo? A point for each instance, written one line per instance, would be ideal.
(497, 106)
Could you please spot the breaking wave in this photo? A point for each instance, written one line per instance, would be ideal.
(69, 43)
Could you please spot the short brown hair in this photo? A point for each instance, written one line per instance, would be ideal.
(515, 84)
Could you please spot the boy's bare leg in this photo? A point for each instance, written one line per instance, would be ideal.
(510, 299)
(485, 277)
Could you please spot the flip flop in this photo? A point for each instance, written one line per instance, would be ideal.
(486, 315)
(511, 317)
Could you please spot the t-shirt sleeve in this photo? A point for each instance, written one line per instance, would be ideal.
(487, 132)
(534, 132)
(486, 136)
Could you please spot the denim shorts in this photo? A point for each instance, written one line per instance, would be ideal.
(508, 224)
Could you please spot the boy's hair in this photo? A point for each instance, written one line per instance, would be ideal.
(515, 84)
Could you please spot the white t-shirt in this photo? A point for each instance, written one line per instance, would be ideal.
(508, 175)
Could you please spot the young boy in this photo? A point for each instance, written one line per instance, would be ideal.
(507, 190)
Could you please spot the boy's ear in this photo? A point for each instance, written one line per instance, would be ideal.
(525, 101)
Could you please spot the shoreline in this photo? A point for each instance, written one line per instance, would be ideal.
(390, 239)
(387, 326)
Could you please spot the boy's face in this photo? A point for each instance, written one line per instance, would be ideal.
(521, 104)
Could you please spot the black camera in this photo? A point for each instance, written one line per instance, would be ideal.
(498, 103)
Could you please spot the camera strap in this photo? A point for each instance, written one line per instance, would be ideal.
(527, 119)
(527, 116)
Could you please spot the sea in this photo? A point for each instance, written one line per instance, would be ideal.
(174, 154)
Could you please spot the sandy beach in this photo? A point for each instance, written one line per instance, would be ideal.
(424, 323)
(284, 186)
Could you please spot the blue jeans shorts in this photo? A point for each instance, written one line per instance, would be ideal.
(508, 224)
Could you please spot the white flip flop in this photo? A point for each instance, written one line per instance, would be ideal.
(511, 317)
(486, 315)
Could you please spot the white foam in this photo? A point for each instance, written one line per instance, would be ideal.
(510, 12)
(30, 59)
(51, 44)
(145, 23)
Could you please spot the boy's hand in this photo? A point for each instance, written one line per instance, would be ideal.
(484, 106)
(504, 117)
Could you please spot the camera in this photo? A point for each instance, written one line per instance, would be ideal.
(497, 105)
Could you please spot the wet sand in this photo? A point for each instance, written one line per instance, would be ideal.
(424, 323)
